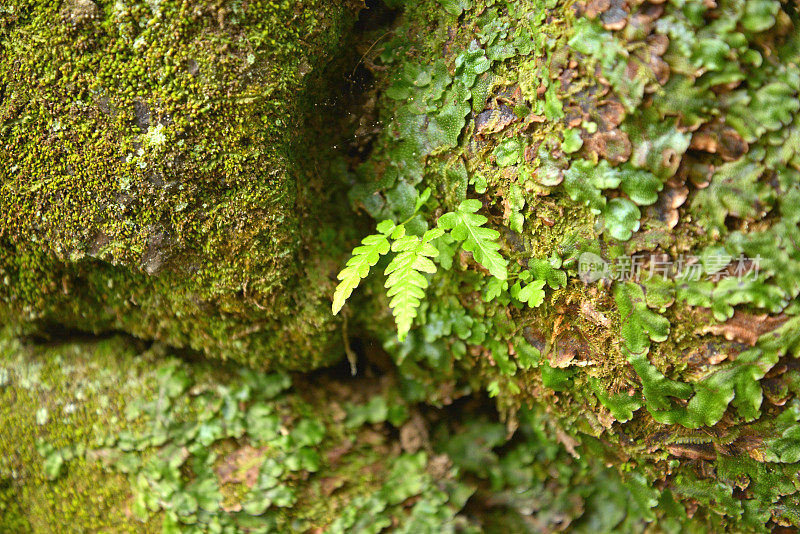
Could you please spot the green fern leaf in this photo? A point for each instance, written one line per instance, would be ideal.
(406, 282)
(532, 293)
(467, 226)
(364, 257)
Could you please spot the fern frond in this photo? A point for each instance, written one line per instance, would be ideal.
(532, 293)
(405, 283)
(467, 226)
(363, 258)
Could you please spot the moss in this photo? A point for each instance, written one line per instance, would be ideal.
(155, 152)
(587, 136)
(140, 436)
(59, 400)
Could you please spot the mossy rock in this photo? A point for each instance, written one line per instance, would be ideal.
(159, 151)
(630, 133)
(577, 129)
(113, 435)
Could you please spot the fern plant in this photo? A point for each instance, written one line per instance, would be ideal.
(467, 226)
(406, 273)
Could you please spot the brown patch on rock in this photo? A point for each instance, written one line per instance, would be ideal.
(745, 328)
(79, 11)
(731, 145)
(699, 174)
(611, 114)
(776, 391)
(330, 484)
(660, 69)
(439, 466)
(573, 115)
(704, 140)
(722, 140)
(614, 145)
(670, 199)
(334, 455)
(616, 16)
(658, 43)
(241, 466)
(530, 154)
(642, 20)
(712, 354)
(414, 434)
(566, 78)
(596, 7)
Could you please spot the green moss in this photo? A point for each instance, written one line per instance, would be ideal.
(667, 131)
(155, 152)
(62, 402)
(588, 136)
(142, 439)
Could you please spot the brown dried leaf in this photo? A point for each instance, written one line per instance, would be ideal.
(693, 452)
(494, 120)
(567, 349)
(568, 442)
(745, 328)
(591, 313)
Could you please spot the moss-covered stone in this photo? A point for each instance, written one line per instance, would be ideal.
(160, 151)
(610, 129)
(108, 435)
(577, 129)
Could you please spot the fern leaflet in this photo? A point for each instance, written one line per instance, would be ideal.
(467, 226)
(405, 283)
(364, 257)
